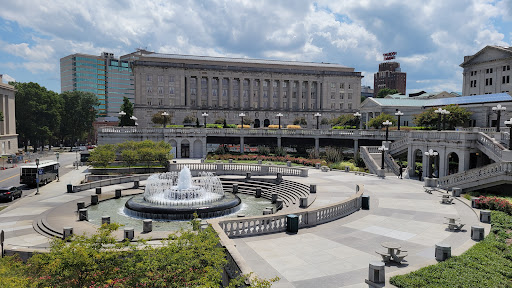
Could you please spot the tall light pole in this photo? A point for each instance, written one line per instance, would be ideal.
(37, 176)
(498, 110)
(242, 115)
(165, 114)
(444, 113)
(438, 111)
(387, 123)
(204, 115)
(382, 149)
(279, 115)
(317, 115)
(430, 153)
(121, 115)
(58, 176)
(398, 114)
(509, 125)
(357, 115)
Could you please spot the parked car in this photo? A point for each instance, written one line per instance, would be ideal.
(10, 193)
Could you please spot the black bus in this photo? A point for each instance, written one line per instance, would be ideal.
(48, 171)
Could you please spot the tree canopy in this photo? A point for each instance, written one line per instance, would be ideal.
(385, 92)
(376, 122)
(127, 108)
(78, 113)
(458, 116)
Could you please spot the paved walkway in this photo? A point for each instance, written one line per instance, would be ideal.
(335, 254)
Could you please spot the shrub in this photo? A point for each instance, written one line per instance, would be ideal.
(273, 126)
(333, 154)
(494, 203)
(279, 151)
(221, 150)
(218, 126)
(245, 126)
(293, 127)
(300, 121)
(263, 150)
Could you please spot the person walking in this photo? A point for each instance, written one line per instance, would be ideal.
(401, 169)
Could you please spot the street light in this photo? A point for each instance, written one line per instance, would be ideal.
(57, 155)
(317, 115)
(382, 149)
(439, 111)
(165, 114)
(498, 110)
(37, 176)
(398, 114)
(279, 115)
(357, 115)
(509, 125)
(242, 115)
(387, 123)
(204, 115)
(444, 113)
(121, 115)
(430, 153)
(134, 119)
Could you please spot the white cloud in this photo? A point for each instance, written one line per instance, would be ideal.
(6, 78)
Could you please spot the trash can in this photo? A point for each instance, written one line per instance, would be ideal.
(366, 202)
(292, 223)
(70, 188)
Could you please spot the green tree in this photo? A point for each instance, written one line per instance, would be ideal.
(127, 107)
(157, 118)
(300, 121)
(377, 121)
(189, 119)
(458, 116)
(129, 157)
(37, 114)
(344, 120)
(385, 92)
(79, 110)
(103, 155)
(220, 121)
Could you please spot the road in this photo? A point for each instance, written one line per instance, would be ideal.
(11, 176)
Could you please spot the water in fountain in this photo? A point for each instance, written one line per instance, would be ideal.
(180, 189)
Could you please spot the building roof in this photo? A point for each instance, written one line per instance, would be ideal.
(400, 102)
(412, 102)
(244, 60)
(469, 58)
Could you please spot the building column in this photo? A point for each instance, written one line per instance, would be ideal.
(271, 95)
(280, 87)
(230, 92)
(317, 145)
(325, 95)
(290, 94)
(279, 141)
(308, 96)
(178, 148)
(463, 160)
(205, 148)
(299, 95)
(251, 92)
(410, 160)
(2, 108)
(318, 95)
(425, 163)
(443, 163)
(242, 144)
(260, 102)
(198, 92)
(209, 92)
(356, 147)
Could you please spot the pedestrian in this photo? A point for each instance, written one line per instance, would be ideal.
(420, 172)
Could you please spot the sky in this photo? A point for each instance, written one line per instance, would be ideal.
(431, 37)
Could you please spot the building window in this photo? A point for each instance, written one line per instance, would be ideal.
(332, 95)
(333, 86)
(193, 91)
(342, 95)
(274, 84)
(149, 89)
(171, 79)
(285, 84)
(488, 70)
(149, 101)
(349, 86)
(341, 106)
(160, 101)
(160, 89)
(332, 105)
(506, 79)
(349, 106)
(149, 77)
(342, 85)
(488, 81)
(160, 79)
(473, 73)
(171, 90)
(285, 94)
(349, 96)
(506, 67)
(472, 83)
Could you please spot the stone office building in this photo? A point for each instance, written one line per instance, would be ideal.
(225, 87)
(8, 136)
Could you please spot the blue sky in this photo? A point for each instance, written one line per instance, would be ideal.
(430, 37)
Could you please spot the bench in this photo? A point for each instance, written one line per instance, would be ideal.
(399, 257)
(455, 226)
(325, 168)
(446, 200)
(428, 190)
(385, 256)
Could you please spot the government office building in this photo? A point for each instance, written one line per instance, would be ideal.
(107, 77)
(183, 85)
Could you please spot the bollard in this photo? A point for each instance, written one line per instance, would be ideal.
(105, 220)
(82, 215)
(312, 188)
(128, 233)
(259, 161)
(70, 188)
(118, 194)
(443, 252)
(279, 203)
(230, 160)
(477, 233)
(147, 226)
(235, 188)
(98, 190)
(288, 163)
(267, 212)
(66, 232)
(274, 198)
(80, 205)
(485, 216)
(248, 175)
(317, 165)
(303, 202)
(94, 199)
(136, 184)
(456, 192)
(279, 177)
(376, 272)
(347, 169)
(473, 202)
(258, 193)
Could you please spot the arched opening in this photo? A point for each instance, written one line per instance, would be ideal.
(453, 163)
(257, 123)
(174, 147)
(266, 123)
(185, 149)
(417, 165)
(197, 150)
(433, 166)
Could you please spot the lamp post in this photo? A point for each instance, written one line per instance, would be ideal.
(204, 115)
(398, 114)
(165, 114)
(430, 153)
(498, 110)
(242, 115)
(438, 111)
(37, 176)
(444, 113)
(317, 115)
(387, 123)
(134, 120)
(382, 149)
(121, 115)
(279, 115)
(57, 155)
(509, 125)
(357, 115)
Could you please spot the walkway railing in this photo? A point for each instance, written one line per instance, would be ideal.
(368, 160)
(239, 169)
(492, 148)
(108, 182)
(398, 146)
(391, 164)
(474, 175)
(259, 225)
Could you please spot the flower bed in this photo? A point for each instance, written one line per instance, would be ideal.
(300, 161)
(494, 203)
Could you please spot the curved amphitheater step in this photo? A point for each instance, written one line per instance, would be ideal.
(42, 226)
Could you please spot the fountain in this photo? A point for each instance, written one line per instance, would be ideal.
(176, 196)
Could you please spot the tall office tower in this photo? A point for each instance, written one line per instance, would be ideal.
(389, 76)
(109, 78)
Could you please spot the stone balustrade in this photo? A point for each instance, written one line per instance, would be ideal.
(370, 163)
(475, 175)
(491, 146)
(240, 169)
(108, 182)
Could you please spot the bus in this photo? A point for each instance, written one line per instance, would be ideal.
(48, 171)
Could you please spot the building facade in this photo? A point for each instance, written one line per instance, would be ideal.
(389, 76)
(225, 87)
(8, 136)
(107, 77)
(487, 71)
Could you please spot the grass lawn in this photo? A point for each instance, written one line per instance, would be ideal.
(3, 207)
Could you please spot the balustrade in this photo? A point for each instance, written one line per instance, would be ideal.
(474, 175)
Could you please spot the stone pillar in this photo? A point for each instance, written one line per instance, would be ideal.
(485, 216)
(199, 92)
(185, 99)
(129, 233)
(318, 95)
(278, 141)
(147, 226)
(288, 163)
(303, 202)
(443, 163)
(209, 92)
(280, 97)
(251, 92)
(477, 233)
(376, 273)
(98, 190)
(242, 144)
(308, 96)
(443, 252)
(290, 94)
(299, 95)
(230, 92)
(83, 215)
(66, 232)
(105, 220)
(279, 177)
(94, 199)
(260, 98)
(325, 95)
(178, 148)
(118, 193)
(317, 145)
